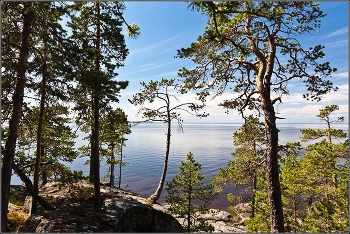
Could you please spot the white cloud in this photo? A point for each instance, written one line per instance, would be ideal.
(342, 94)
(338, 32)
(294, 107)
(341, 43)
(304, 111)
(308, 113)
(151, 66)
(341, 75)
(153, 46)
(169, 75)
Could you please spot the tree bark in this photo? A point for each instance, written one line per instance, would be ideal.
(120, 163)
(111, 175)
(263, 82)
(272, 173)
(29, 186)
(44, 175)
(39, 135)
(156, 195)
(96, 166)
(16, 115)
(92, 153)
(253, 196)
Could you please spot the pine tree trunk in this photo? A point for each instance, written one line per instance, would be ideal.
(253, 196)
(39, 135)
(121, 163)
(44, 175)
(10, 146)
(92, 153)
(266, 65)
(111, 175)
(96, 167)
(156, 195)
(30, 189)
(272, 173)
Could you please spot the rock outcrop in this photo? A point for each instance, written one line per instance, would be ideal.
(220, 220)
(122, 211)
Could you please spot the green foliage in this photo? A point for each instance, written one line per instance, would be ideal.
(162, 90)
(295, 191)
(133, 31)
(83, 193)
(235, 38)
(114, 127)
(247, 163)
(58, 140)
(187, 194)
(324, 217)
(149, 202)
(74, 176)
(15, 221)
(202, 226)
(317, 179)
(261, 220)
(331, 133)
(17, 197)
(238, 52)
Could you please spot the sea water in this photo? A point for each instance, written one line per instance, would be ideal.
(211, 145)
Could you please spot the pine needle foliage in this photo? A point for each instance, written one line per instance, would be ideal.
(187, 195)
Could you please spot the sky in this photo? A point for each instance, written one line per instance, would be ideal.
(169, 26)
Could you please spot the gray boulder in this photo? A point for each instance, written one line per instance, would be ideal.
(218, 215)
(122, 211)
(27, 206)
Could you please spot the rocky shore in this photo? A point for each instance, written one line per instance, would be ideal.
(122, 211)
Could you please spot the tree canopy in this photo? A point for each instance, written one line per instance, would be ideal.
(252, 49)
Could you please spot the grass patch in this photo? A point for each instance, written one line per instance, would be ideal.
(15, 221)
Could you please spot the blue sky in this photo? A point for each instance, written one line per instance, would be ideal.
(168, 26)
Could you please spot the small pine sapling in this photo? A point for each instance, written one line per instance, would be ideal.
(187, 195)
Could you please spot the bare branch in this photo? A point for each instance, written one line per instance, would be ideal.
(248, 99)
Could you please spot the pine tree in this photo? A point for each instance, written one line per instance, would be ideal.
(317, 180)
(161, 90)
(248, 160)
(115, 126)
(23, 30)
(187, 194)
(46, 50)
(261, 220)
(240, 51)
(96, 28)
(295, 192)
(58, 142)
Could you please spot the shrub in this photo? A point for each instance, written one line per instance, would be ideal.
(14, 221)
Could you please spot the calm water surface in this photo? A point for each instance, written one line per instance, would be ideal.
(211, 145)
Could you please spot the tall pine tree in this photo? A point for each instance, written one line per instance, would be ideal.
(96, 28)
(240, 51)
